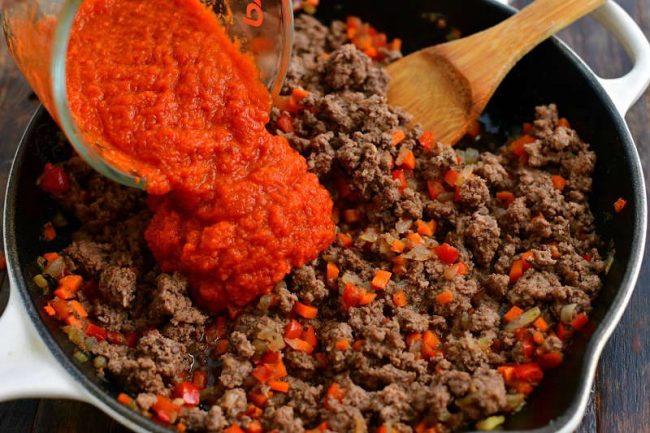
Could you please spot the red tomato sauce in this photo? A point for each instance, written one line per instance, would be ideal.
(161, 90)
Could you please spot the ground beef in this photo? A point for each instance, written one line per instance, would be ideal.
(234, 371)
(117, 285)
(421, 352)
(482, 236)
(91, 256)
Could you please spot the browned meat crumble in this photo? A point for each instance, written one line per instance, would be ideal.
(374, 353)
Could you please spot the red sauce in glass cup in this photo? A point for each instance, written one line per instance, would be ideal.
(162, 90)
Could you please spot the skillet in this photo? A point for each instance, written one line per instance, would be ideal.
(35, 359)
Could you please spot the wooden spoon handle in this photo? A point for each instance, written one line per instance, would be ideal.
(486, 58)
(540, 20)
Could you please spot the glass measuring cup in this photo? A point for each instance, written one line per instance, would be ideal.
(37, 33)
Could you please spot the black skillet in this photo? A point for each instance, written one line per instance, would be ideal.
(551, 73)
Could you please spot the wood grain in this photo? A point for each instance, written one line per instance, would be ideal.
(620, 400)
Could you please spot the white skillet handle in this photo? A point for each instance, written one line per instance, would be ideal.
(27, 368)
(626, 90)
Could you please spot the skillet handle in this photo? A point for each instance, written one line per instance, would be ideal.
(626, 90)
(27, 368)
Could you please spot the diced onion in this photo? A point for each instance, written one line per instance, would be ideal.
(80, 356)
(69, 264)
(265, 303)
(524, 320)
(350, 278)
(451, 272)
(56, 268)
(90, 343)
(420, 253)
(260, 346)
(273, 339)
(471, 156)
(75, 335)
(465, 173)
(485, 342)
(41, 282)
(369, 235)
(490, 423)
(467, 400)
(568, 313)
(514, 402)
(402, 225)
(100, 362)
(609, 261)
(385, 244)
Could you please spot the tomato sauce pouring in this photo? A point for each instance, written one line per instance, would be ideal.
(163, 91)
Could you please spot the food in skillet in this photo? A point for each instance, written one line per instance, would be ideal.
(456, 279)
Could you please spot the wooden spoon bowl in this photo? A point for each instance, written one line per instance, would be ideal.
(446, 87)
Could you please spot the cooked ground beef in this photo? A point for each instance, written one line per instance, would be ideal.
(434, 347)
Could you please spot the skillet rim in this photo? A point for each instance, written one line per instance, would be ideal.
(574, 412)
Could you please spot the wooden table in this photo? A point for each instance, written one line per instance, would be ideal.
(620, 399)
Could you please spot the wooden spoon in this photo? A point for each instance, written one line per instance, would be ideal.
(446, 87)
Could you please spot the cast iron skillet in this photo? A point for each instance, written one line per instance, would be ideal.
(552, 73)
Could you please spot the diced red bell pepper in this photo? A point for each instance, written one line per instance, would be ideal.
(562, 332)
(401, 177)
(426, 140)
(54, 180)
(200, 379)
(451, 177)
(505, 197)
(579, 322)
(285, 123)
(528, 349)
(517, 146)
(165, 409)
(619, 205)
(530, 372)
(299, 345)
(435, 188)
(508, 373)
(334, 392)
(309, 335)
(132, 339)
(550, 360)
(446, 253)
(188, 392)
(271, 357)
(524, 388)
(350, 297)
(115, 338)
(262, 373)
(306, 311)
(516, 271)
(98, 332)
(293, 329)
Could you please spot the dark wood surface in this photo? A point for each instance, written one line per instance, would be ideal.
(620, 399)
